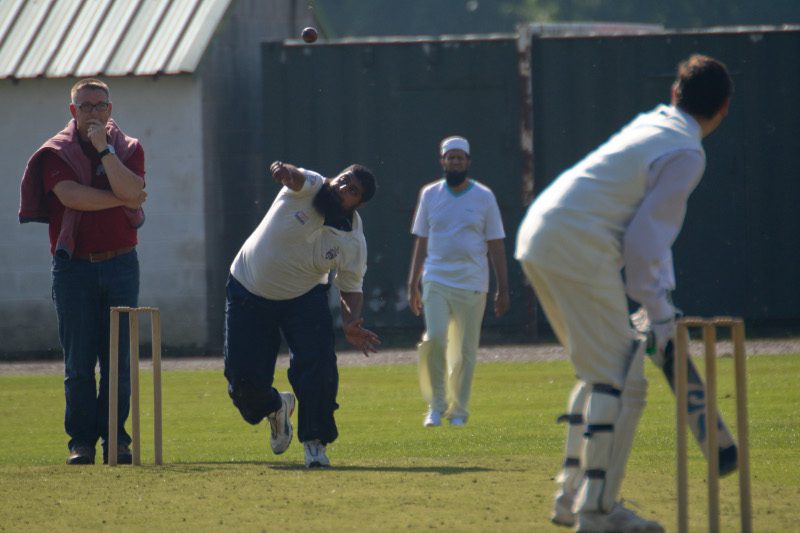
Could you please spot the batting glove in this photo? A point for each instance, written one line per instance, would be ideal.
(659, 333)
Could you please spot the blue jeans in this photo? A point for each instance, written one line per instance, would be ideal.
(253, 327)
(83, 292)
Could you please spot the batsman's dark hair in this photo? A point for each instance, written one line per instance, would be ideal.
(702, 86)
(367, 180)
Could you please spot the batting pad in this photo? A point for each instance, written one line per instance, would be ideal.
(570, 476)
(633, 402)
(603, 407)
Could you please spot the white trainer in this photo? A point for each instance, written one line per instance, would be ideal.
(280, 424)
(562, 509)
(458, 421)
(432, 419)
(315, 454)
(619, 519)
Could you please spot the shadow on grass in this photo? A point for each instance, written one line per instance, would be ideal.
(444, 470)
(207, 466)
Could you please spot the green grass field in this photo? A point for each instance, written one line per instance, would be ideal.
(389, 472)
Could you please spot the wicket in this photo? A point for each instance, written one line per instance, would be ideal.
(709, 327)
(113, 385)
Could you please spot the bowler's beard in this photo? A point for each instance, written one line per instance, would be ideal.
(454, 179)
(327, 204)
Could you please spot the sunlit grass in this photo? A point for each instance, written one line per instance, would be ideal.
(389, 472)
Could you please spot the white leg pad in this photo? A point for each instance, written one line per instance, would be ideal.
(603, 406)
(570, 476)
(633, 401)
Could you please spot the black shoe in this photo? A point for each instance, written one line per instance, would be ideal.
(81, 455)
(124, 456)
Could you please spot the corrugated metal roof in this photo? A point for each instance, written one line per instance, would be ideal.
(62, 38)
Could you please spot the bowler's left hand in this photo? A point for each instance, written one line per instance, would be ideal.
(360, 337)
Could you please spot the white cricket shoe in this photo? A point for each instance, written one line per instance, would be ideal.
(315, 454)
(458, 421)
(620, 520)
(280, 424)
(432, 419)
(562, 509)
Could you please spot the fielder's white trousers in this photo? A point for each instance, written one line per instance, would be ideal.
(449, 347)
(590, 320)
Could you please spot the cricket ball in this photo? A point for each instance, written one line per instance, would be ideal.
(309, 34)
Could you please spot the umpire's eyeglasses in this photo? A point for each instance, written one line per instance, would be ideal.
(87, 107)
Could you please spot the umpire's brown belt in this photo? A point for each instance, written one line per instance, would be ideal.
(103, 256)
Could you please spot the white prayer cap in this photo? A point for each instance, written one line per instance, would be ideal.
(454, 143)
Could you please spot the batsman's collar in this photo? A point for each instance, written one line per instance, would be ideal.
(454, 143)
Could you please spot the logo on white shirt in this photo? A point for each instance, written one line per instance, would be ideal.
(332, 253)
(301, 217)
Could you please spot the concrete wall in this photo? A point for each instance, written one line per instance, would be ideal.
(165, 114)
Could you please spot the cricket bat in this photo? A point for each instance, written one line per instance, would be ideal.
(697, 413)
(696, 399)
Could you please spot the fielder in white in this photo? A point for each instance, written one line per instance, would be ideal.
(458, 230)
(623, 205)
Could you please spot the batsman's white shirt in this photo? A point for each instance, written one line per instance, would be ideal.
(457, 226)
(291, 250)
(622, 205)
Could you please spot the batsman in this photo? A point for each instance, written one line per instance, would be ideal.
(622, 206)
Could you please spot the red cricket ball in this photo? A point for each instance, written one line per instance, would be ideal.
(309, 34)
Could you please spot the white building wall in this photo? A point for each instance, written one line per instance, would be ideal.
(165, 115)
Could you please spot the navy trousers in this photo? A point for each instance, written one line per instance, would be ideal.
(83, 292)
(253, 327)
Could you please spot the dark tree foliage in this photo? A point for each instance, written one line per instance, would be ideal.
(342, 18)
(672, 13)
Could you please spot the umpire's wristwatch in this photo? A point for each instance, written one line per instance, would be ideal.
(108, 150)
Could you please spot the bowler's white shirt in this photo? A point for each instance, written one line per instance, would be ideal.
(457, 226)
(291, 251)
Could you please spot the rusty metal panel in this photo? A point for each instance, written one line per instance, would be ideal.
(196, 36)
(48, 39)
(22, 35)
(110, 34)
(164, 40)
(60, 38)
(9, 11)
(138, 38)
(79, 36)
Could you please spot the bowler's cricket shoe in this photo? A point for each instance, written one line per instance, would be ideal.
(315, 454)
(458, 421)
(562, 509)
(432, 419)
(620, 520)
(280, 424)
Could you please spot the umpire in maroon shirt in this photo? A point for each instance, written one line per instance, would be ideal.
(87, 183)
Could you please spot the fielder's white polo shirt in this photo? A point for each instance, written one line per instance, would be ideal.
(457, 226)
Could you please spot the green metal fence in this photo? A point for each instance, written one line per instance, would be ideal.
(387, 105)
(738, 252)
